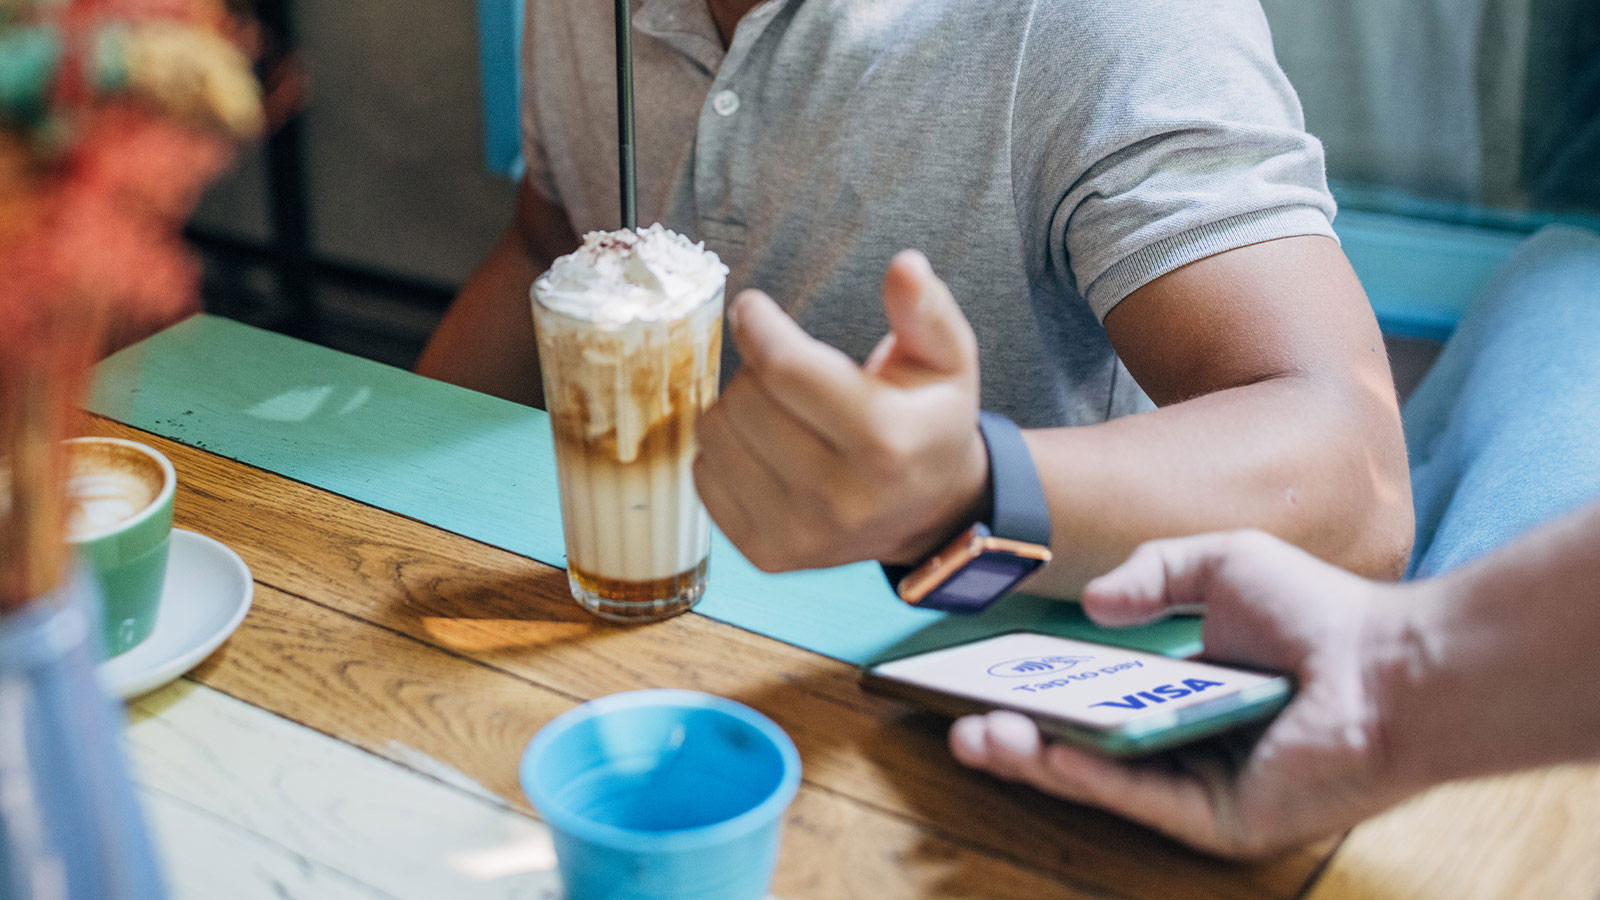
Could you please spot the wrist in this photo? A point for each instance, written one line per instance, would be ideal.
(967, 499)
(1415, 728)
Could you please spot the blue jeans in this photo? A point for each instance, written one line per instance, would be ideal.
(1504, 433)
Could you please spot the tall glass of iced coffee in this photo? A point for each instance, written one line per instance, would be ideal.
(630, 343)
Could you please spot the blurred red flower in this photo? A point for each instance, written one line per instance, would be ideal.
(100, 231)
(115, 116)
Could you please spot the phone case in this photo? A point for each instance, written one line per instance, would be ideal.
(1194, 723)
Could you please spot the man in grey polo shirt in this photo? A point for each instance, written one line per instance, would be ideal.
(1087, 179)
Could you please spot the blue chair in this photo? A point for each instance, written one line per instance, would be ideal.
(500, 42)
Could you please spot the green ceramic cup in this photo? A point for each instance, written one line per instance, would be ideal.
(119, 497)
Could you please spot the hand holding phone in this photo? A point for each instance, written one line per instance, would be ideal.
(1318, 768)
(1111, 699)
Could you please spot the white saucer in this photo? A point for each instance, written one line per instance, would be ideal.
(207, 593)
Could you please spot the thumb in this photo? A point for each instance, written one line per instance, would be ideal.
(1159, 579)
(930, 331)
(759, 327)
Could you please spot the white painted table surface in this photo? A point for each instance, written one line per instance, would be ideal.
(245, 804)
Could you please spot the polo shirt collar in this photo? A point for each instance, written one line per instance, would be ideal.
(685, 25)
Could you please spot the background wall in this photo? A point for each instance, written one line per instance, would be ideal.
(393, 151)
(394, 141)
(1459, 101)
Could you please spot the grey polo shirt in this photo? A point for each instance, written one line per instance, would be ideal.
(1049, 156)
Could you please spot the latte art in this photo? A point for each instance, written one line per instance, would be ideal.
(101, 500)
(108, 484)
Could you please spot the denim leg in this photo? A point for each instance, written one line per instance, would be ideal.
(1504, 433)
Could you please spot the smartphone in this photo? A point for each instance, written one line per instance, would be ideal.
(1117, 701)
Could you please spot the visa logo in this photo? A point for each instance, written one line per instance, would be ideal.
(1160, 694)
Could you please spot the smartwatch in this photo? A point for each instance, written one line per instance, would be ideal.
(991, 557)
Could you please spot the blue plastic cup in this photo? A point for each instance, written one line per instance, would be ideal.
(663, 795)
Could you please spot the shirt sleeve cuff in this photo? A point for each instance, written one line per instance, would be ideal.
(1149, 263)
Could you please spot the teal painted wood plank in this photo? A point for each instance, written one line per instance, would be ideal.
(464, 461)
(484, 468)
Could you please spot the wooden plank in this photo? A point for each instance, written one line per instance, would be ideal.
(399, 698)
(482, 467)
(1534, 834)
(357, 823)
(513, 615)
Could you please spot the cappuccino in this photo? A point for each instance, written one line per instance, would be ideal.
(630, 345)
(108, 484)
(119, 522)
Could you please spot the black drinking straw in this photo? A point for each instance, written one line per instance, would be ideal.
(625, 160)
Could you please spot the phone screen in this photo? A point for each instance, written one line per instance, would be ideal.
(1092, 685)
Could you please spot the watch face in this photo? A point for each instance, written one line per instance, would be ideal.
(986, 577)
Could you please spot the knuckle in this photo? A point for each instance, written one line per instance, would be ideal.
(1248, 541)
(766, 556)
(710, 430)
(844, 510)
(806, 546)
(738, 394)
(777, 362)
(886, 452)
(735, 529)
(1154, 549)
(968, 340)
(1248, 845)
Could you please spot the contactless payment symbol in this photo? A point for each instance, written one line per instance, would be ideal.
(1035, 665)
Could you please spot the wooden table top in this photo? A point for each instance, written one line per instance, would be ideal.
(359, 736)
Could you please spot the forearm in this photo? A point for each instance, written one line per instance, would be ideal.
(485, 341)
(1496, 667)
(1291, 456)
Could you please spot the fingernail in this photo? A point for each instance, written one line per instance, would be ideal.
(1013, 732)
(967, 740)
(914, 258)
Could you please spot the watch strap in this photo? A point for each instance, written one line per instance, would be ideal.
(1017, 508)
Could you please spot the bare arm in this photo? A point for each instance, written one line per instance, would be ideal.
(485, 341)
(1499, 662)
(1278, 413)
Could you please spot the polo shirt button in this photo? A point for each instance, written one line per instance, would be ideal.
(726, 103)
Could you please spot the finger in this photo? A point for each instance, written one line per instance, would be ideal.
(1159, 579)
(799, 458)
(879, 355)
(1181, 805)
(969, 741)
(711, 481)
(993, 744)
(765, 539)
(819, 384)
(930, 330)
(1012, 746)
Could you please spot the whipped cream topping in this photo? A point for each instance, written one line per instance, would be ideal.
(618, 277)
